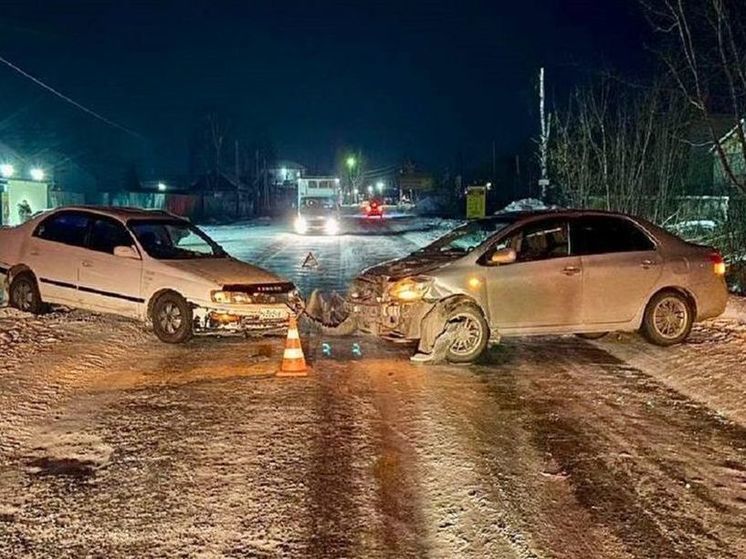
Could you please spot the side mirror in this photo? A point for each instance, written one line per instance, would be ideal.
(126, 252)
(503, 256)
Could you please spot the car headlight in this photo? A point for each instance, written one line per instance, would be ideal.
(301, 226)
(231, 298)
(332, 226)
(410, 289)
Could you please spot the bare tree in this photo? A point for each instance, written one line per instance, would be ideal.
(620, 148)
(704, 48)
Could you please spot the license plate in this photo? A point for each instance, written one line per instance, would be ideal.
(273, 314)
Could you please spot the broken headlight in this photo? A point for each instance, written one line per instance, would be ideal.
(410, 289)
(231, 298)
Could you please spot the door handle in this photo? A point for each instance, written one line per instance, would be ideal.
(648, 263)
(571, 270)
(87, 264)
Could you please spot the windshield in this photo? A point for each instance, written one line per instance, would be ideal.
(170, 239)
(466, 238)
(317, 206)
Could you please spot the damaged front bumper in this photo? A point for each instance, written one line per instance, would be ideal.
(245, 319)
(379, 315)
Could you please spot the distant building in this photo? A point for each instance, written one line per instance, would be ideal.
(413, 183)
(284, 174)
(734, 153)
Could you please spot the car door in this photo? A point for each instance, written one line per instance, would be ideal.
(542, 289)
(53, 252)
(621, 265)
(107, 282)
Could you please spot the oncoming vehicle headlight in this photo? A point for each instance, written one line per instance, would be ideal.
(331, 226)
(301, 226)
(231, 298)
(410, 289)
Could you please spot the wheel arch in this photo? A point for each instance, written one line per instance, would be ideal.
(434, 322)
(684, 292)
(157, 295)
(17, 270)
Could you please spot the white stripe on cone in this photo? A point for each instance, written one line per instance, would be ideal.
(293, 353)
(293, 334)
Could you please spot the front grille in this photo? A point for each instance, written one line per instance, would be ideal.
(264, 293)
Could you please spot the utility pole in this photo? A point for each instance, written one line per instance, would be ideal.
(544, 146)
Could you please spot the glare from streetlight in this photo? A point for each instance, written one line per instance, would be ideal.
(162, 187)
(370, 189)
(351, 162)
(37, 174)
(7, 170)
(379, 185)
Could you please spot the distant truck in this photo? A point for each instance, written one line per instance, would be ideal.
(318, 206)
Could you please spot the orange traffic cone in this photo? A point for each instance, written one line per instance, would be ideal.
(293, 362)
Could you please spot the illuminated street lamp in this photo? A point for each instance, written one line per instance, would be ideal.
(370, 189)
(162, 187)
(379, 186)
(37, 174)
(351, 162)
(7, 170)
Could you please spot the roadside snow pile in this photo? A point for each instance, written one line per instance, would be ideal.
(524, 205)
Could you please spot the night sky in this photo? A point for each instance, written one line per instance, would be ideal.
(427, 80)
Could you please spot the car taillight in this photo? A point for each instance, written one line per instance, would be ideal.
(718, 264)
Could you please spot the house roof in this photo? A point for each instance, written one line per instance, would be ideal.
(730, 134)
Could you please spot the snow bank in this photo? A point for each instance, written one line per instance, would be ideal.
(708, 368)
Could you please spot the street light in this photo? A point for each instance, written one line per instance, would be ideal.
(370, 189)
(351, 162)
(379, 185)
(7, 170)
(37, 174)
(162, 187)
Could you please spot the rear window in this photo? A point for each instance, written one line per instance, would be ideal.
(68, 228)
(605, 235)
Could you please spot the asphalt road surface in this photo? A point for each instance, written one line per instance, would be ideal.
(114, 445)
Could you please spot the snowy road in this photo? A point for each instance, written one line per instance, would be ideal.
(113, 445)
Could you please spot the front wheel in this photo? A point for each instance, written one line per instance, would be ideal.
(470, 334)
(172, 319)
(668, 319)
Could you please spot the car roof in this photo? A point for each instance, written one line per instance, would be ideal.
(122, 213)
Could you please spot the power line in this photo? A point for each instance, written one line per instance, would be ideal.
(68, 99)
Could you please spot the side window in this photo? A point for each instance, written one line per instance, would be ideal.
(68, 228)
(107, 234)
(542, 241)
(606, 235)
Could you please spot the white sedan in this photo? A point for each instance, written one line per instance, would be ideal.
(148, 265)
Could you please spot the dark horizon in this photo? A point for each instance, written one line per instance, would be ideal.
(429, 81)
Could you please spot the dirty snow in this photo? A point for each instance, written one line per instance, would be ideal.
(114, 445)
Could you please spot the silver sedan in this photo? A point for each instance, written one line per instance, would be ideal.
(538, 273)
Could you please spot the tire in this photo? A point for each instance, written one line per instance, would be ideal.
(468, 349)
(668, 319)
(592, 335)
(24, 294)
(172, 319)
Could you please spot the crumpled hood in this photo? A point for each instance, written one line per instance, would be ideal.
(413, 265)
(224, 271)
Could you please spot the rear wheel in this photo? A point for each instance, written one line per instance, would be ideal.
(24, 294)
(668, 319)
(470, 332)
(172, 319)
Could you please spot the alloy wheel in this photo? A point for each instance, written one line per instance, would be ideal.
(670, 317)
(467, 335)
(170, 318)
